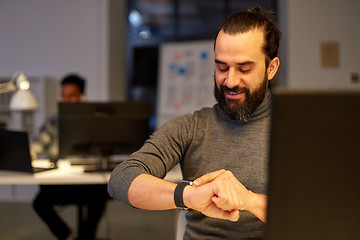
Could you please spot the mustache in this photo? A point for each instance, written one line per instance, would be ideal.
(236, 89)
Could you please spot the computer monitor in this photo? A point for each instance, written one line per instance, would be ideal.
(102, 128)
(14, 151)
(314, 188)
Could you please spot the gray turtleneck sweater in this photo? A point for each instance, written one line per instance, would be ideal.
(202, 142)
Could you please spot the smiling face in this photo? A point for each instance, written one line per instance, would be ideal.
(241, 75)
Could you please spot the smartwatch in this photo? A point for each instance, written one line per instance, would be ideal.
(178, 194)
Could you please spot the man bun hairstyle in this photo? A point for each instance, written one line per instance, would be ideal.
(259, 19)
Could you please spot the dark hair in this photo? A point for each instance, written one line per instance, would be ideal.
(74, 79)
(255, 18)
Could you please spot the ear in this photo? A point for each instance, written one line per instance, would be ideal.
(273, 67)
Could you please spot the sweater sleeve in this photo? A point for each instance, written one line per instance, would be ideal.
(159, 154)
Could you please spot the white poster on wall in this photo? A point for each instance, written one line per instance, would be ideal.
(186, 79)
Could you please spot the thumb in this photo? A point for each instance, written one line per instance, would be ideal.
(234, 215)
(209, 177)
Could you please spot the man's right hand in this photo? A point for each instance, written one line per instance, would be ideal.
(219, 194)
(200, 198)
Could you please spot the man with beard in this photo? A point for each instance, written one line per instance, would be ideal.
(223, 149)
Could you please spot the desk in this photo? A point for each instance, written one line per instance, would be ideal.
(19, 186)
(65, 174)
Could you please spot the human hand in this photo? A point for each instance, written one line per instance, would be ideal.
(229, 193)
(200, 198)
(230, 196)
(209, 177)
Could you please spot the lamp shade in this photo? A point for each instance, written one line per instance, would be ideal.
(23, 100)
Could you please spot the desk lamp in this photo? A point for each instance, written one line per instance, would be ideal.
(23, 98)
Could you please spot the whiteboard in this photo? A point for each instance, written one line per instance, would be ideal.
(185, 78)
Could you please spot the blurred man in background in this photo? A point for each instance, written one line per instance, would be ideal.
(91, 197)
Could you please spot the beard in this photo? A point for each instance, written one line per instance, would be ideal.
(234, 108)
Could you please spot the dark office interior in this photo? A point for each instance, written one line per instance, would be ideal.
(124, 66)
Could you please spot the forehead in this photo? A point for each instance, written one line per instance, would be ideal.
(70, 87)
(246, 46)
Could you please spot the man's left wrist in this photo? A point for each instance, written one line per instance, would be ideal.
(179, 195)
(186, 196)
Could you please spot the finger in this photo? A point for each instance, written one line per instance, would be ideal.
(207, 177)
(230, 215)
(234, 215)
(228, 194)
(223, 203)
(215, 212)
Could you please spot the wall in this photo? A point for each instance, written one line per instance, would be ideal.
(53, 38)
(305, 25)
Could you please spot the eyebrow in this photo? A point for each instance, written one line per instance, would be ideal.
(240, 64)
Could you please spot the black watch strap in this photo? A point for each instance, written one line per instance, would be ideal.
(178, 195)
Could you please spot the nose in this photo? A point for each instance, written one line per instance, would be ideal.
(233, 78)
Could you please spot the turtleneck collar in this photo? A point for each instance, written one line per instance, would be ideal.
(263, 110)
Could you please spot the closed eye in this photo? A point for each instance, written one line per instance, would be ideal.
(245, 67)
(245, 70)
(222, 67)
